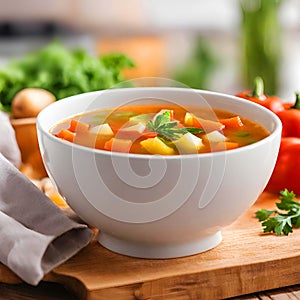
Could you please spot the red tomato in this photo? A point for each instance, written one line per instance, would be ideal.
(257, 95)
(287, 169)
(290, 119)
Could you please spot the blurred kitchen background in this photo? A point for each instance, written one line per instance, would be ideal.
(217, 45)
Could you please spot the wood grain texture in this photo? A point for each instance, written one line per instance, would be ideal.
(246, 262)
(53, 291)
(289, 293)
(44, 291)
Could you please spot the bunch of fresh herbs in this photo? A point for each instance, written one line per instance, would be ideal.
(283, 220)
(61, 71)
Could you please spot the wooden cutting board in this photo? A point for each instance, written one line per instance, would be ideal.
(247, 261)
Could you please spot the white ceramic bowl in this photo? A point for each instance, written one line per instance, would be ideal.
(158, 206)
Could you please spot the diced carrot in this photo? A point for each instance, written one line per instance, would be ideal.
(57, 199)
(108, 144)
(149, 134)
(114, 128)
(231, 145)
(67, 135)
(224, 146)
(78, 126)
(118, 145)
(234, 122)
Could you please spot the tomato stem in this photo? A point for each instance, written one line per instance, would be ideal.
(258, 91)
(297, 103)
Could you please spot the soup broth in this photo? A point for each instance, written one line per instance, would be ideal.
(160, 130)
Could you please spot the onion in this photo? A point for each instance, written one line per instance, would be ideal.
(29, 102)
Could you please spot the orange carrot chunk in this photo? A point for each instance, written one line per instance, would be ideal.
(118, 145)
(149, 134)
(77, 126)
(234, 122)
(108, 145)
(231, 145)
(67, 135)
(224, 146)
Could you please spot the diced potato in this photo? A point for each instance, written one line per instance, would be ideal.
(135, 129)
(188, 143)
(215, 137)
(102, 129)
(189, 119)
(157, 146)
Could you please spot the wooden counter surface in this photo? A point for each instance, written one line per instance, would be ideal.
(247, 262)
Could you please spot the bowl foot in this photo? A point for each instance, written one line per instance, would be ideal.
(157, 251)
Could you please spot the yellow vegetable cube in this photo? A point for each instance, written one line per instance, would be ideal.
(189, 119)
(157, 146)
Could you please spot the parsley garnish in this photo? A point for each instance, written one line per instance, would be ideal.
(166, 128)
(281, 221)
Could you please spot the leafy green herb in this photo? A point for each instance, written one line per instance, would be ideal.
(264, 214)
(193, 130)
(283, 220)
(116, 62)
(166, 128)
(61, 71)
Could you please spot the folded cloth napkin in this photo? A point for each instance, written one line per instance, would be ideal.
(8, 144)
(36, 236)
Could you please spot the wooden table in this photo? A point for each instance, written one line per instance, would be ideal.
(246, 262)
(54, 291)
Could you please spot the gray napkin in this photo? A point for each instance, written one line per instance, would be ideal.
(36, 236)
(8, 144)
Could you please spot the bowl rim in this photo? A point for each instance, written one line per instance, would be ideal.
(277, 128)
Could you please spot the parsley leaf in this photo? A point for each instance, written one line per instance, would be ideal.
(284, 219)
(287, 201)
(264, 214)
(166, 128)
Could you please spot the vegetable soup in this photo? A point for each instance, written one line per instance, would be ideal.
(161, 130)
